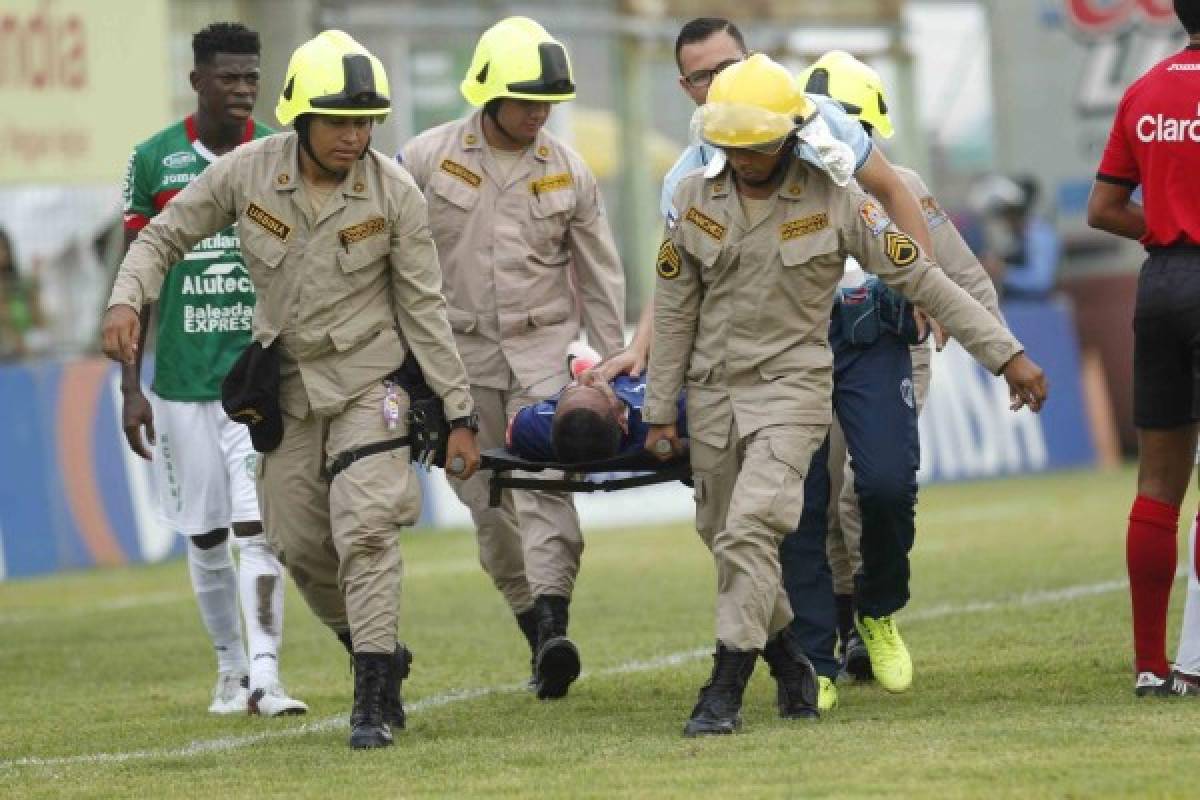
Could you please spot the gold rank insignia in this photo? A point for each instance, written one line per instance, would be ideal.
(356, 233)
(796, 228)
(272, 224)
(462, 173)
(551, 183)
(900, 248)
(705, 223)
(668, 263)
(360, 187)
(543, 151)
(471, 139)
(283, 179)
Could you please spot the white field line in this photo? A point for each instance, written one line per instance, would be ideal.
(225, 743)
(122, 602)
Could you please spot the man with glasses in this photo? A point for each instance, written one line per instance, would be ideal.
(703, 48)
(746, 277)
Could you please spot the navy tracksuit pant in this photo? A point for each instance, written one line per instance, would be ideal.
(873, 399)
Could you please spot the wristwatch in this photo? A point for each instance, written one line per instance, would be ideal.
(470, 421)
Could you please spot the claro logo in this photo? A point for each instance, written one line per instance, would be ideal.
(1160, 128)
(42, 51)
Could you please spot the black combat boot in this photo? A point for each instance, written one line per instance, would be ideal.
(367, 727)
(393, 702)
(556, 665)
(527, 621)
(718, 709)
(795, 679)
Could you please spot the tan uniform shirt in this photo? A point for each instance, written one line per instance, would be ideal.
(744, 318)
(526, 252)
(953, 254)
(345, 292)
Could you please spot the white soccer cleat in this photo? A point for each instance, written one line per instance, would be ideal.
(273, 701)
(232, 694)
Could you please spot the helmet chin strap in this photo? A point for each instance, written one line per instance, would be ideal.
(781, 166)
(492, 109)
(302, 132)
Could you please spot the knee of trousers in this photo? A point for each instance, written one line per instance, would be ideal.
(886, 492)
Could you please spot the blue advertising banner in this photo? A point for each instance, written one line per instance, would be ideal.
(74, 496)
(967, 430)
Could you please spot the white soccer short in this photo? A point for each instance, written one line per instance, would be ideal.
(204, 467)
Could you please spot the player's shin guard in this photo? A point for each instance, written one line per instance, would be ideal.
(260, 585)
(1150, 557)
(214, 581)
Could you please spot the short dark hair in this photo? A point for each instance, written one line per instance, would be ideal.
(701, 28)
(1188, 12)
(583, 436)
(224, 37)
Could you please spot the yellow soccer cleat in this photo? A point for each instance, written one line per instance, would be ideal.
(827, 694)
(889, 657)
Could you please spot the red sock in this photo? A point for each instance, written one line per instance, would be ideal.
(1150, 557)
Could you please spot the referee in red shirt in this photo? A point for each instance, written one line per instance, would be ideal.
(1155, 143)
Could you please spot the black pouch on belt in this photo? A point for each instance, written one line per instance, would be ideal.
(250, 395)
(428, 429)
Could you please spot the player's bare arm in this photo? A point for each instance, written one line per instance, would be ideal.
(1111, 208)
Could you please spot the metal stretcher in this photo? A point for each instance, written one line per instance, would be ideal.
(625, 472)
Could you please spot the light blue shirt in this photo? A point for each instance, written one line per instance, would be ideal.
(1031, 270)
(841, 125)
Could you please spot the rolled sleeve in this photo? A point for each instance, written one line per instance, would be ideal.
(599, 272)
(204, 207)
(676, 314)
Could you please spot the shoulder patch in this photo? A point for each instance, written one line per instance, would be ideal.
(934, 214)
(462, 173)
(668, 263)
(551, 183)
(794, 229)
(900, 248)
(875, 218)
(356, 233)
(272, 224)
(705, 223)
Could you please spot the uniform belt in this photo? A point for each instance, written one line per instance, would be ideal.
(348, 457)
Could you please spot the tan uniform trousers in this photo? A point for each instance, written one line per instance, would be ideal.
(845, 519)
(749, 495)
(340, 540)
(531, 543)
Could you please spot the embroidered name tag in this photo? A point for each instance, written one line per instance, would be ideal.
(934, 214)
(462, 173)
(900, 248)
(270, 222)
(796, 228)
(705, 223)
(551, 183)
(356, 233)
(668, 262)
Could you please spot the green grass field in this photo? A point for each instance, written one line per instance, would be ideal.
(1019, 628)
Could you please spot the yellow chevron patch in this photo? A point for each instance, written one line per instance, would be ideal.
(900, 248)
(705, 223)
(271, 223)
(462, 173)
(668, 262)
(804, 226)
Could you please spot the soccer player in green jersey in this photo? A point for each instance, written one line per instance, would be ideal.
(205, 464)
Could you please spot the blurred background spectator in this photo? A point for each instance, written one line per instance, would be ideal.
(1021, 248)
(22, 325)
